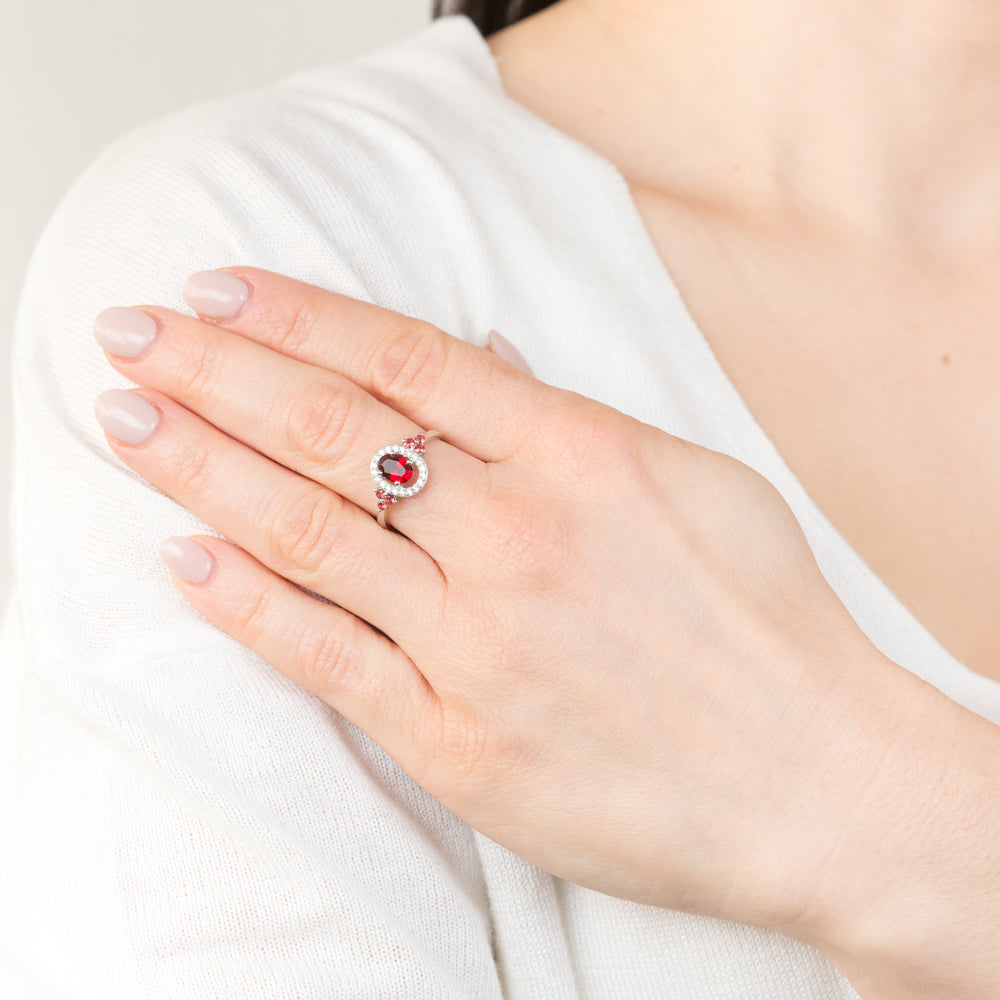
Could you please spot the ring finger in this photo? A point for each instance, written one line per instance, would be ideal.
(306, 418)
(298, 528)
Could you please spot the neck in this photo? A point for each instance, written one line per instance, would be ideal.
(876, 118)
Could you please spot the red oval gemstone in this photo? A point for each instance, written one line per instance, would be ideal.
(397, 469)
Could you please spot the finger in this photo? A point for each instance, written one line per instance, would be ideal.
(322, 648)
(435, 379)
(316, 422)
(302, 531)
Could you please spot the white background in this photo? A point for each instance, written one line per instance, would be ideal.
(75, 76)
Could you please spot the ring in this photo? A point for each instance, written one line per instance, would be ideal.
(399, 470)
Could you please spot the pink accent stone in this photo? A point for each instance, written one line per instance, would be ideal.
(384, 499)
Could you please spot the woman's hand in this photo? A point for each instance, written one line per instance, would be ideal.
(604, 647)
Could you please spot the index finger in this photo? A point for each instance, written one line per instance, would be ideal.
(464, 391)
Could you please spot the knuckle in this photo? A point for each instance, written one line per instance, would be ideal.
(290, 323)
(251, 615)
(463, 746)
(192, 469)
(294, 327)
(305, 532)
(472, 752)
(597, 442)
(409, 363)
(329, 659)
(534, 543)
(532, 546)
(324, 422)
(200, 371)
(615, 451)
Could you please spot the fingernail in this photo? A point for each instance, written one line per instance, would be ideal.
(126, 415)
(189, 560)
(124, 331)
(504, 349)
(216, 294)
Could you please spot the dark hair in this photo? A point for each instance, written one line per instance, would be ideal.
(491, 15)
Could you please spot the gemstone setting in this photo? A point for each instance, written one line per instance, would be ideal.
(398, 470)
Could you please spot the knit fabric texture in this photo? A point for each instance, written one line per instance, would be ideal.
(181, 821)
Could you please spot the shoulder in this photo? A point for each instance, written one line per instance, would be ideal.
(426, 98)
(338, 175)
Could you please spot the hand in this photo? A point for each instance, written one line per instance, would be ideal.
(604, 647)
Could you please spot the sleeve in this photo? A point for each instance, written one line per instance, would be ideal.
(179, 820)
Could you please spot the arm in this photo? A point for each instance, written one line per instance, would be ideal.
(654, 694)
(911, 907)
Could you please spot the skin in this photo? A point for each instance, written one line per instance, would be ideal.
(876, 121)
(820, 182)
(848, 805)
(571, 662)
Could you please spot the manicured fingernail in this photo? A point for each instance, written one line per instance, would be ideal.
(503, 348)
(123, 331)
(189, 560)
(216, 294)
(126, 415)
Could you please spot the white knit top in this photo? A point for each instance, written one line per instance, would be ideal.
(180, 820)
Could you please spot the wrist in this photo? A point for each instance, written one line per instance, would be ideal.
(908, 907)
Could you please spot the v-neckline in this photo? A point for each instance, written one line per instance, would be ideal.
(844, 568)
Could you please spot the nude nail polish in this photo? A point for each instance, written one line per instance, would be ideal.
(216, 294)
(503, 348)
(187, 559)
(124, 332)
(126, 415)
